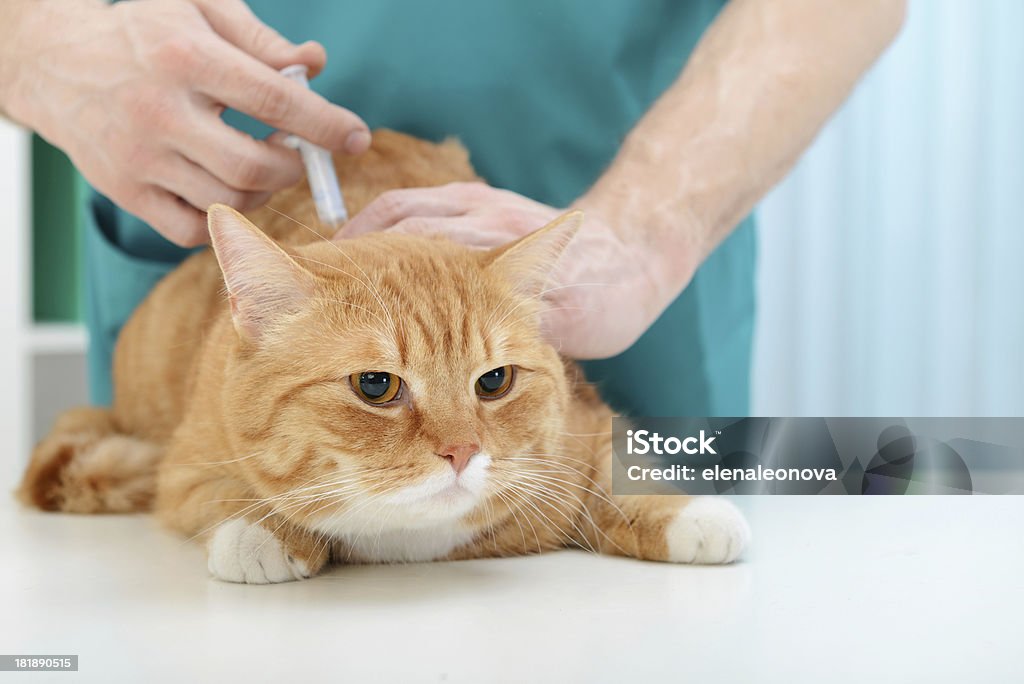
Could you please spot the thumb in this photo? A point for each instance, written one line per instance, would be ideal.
(235, 23)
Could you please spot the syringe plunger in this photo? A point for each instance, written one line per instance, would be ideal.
(323, 181)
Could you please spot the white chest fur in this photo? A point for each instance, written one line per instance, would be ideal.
(407, 545)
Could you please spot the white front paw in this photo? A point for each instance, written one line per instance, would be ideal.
(240, 551)
(708, 530)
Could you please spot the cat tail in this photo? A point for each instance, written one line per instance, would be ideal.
(85, 465)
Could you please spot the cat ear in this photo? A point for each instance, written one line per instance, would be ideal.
(263, 281)
(529, 262)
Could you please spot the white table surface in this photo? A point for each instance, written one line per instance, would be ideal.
(834, 589)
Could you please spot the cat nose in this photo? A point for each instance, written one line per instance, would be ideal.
(458, 455)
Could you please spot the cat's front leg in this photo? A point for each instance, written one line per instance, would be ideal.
(246, 541)
(248, 552)
(676, 529)
(707, 529)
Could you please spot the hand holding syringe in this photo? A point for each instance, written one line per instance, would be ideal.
(323, 181)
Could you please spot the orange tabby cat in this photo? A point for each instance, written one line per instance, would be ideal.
(387, 398)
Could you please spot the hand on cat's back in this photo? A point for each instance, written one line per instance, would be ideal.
(133, 93)
(607, 289)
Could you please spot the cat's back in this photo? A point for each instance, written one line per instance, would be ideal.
(155, 353)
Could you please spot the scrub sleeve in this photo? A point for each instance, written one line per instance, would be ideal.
(542, 94)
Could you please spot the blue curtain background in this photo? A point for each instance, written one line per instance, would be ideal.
(892, 261)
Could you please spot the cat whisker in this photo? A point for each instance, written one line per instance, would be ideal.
(489, 520)
(491, 327)
(571, 285)
(537, 297)
(600, 492)
(372, 290)
(380, 530)
(527, 497)
(326, 498)
(330, 300)
(364, 529)
(367, 283)
(373, 498)
(546, 483)
(217, 463)
(257, 502)
(297, 222)
(512, 508)
(545, 493)
(549, 309)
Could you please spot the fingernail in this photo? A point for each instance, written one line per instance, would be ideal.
(357, 142)
(312, 43)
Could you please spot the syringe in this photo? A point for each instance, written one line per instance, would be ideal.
(323, 181)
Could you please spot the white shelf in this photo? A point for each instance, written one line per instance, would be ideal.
(57, 338)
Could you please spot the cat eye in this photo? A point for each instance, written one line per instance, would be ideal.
(376, 387)
(495, 383)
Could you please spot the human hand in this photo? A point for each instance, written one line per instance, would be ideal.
(606, 291)
(133, 92)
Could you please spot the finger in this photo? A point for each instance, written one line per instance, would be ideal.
(394, 206)
(200, 188)
(172, 217)
(240, 160)
(236, 23)
(283, 139)
(235, 79)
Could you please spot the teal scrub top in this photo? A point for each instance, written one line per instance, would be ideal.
(542, 94)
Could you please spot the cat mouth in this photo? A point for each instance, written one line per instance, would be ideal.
(447, 489)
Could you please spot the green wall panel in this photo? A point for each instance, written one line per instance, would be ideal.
(56, 238)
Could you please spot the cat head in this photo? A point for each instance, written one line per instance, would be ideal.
(390, 380)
